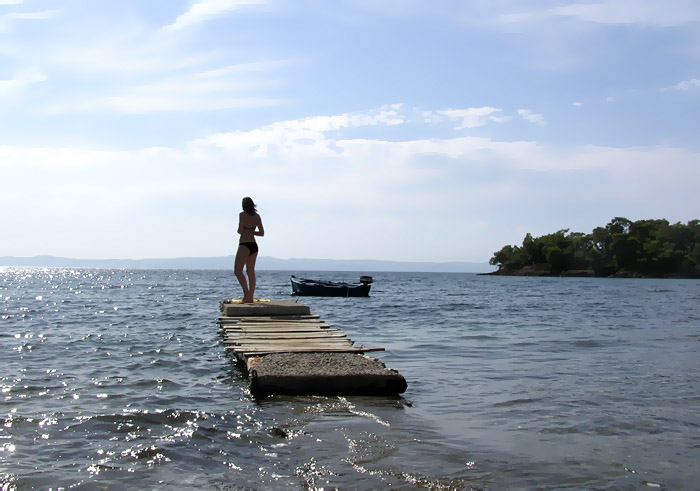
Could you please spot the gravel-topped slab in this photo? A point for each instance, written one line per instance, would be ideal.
(315, 364)
(323, 374)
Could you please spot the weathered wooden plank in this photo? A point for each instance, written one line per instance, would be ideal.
(281, 342)
(239, 339)
(293, 342)
(273, 324)
(250, 340)
(269, 324)
(279, 345)
(273, 316)
(271, 321)
(286, 335)
(282, 333)
(276, 318)
(322, 325)
(268, 319)
(279, 329)
(291, 348)
(250, 352)
(276, 324)
(267, 350)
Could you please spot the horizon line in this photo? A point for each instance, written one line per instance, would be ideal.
(40, 256)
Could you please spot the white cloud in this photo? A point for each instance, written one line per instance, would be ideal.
(45, 14)
(148, 100)
(566, 36)
(121, 57)
(307, 140)
(7, 19)
(13, 88)
(501, 119)
(243, 68)
(473, 117)
(578, 104)
(621, 12)
(144, 75)
(528, 115)
(643, 12)
(686, 85)
(312, 174)
(208, 9)
(135, 70)
(297, 140)
(186, 93)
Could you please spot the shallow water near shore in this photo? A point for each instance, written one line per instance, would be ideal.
(118, 378)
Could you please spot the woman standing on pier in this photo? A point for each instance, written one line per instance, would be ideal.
(249, 225)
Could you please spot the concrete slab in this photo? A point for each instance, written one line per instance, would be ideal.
(271, 308)
(323, 374)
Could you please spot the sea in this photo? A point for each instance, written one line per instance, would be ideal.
(118, 379)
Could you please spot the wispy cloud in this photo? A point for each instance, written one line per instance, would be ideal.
(150, 99)
(12, 88)
(211, 90)
(640, 12)
(686, 85)
(6, 20)
(532, 117)
(474, 117)
(300, 138)
(244, 68)
(136, 69)
(208, 9)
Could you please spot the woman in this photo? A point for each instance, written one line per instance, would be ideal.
(249, 225)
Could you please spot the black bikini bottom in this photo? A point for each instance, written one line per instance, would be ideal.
(252, 247)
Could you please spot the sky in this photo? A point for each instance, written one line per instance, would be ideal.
(402, 130)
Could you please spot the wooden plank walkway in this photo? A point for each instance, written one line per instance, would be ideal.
(248, 337)
(257, 333)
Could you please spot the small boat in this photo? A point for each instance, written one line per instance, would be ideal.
(313, 288)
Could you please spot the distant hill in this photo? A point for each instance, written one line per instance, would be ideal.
(264, 263)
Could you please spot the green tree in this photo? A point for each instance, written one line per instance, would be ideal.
(559, 250)
(627, 252)
(648, 247)
(619, 225)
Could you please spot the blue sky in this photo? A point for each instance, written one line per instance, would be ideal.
(400, 130)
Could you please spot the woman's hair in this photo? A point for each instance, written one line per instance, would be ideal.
(249, 207)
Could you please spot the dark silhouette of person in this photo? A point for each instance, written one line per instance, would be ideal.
(249, 226)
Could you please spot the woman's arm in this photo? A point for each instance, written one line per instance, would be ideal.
(240, 224)
(260, 232)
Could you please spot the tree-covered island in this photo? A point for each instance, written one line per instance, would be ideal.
(645, 248)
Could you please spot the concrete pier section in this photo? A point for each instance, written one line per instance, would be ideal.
(286, 349)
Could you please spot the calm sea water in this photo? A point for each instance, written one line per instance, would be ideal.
(117, 378)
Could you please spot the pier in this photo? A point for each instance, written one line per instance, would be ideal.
(285, 349)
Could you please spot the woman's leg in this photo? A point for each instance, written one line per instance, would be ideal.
(250, 269)
(241, 258)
